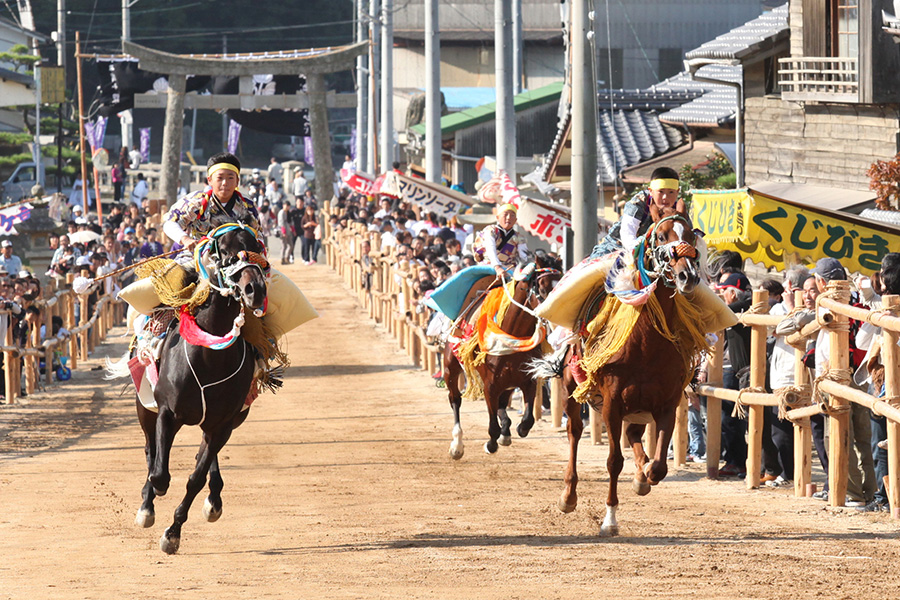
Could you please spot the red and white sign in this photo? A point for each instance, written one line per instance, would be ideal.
(358, 182)
(542, 220)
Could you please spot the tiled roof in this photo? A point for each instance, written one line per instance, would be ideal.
(714, 104)
(629, 137)
(762, 32)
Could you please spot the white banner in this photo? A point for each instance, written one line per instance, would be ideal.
(12, 215)
(432, 197)
(543, 220)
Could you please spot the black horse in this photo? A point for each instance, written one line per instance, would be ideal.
(203, 386)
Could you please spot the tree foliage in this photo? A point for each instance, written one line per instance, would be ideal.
(884, 180)
(20, 58)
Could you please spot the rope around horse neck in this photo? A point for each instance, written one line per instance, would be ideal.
(203, 387)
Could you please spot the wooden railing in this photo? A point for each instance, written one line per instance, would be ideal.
(818, 78)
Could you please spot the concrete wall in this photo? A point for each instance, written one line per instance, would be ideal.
(829, 145)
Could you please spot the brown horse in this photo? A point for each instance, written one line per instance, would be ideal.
(644, 379)
(500, 375)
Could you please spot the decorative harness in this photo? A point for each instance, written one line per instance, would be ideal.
(661, 256)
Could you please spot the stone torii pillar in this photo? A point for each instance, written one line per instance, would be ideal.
(314, 64)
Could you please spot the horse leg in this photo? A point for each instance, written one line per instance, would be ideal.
(505, 438)
(209, 448)
(574, 428)
(665, 425)
(614, 463)
(635, 432)
(529, 391)
(212, 507)
(166, 428)
(492, 402)
(452, 370)
(146, 514)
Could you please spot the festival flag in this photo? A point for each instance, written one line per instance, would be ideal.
(234, 134)
(509, 193)
(95, 133)
(145, 144)
(308, 155)
(353, 143)
(12, 215)
(358, 182)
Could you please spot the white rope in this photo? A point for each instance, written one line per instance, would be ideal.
(513, 300)
(203, 387)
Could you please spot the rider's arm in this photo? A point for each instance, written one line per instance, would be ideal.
(174, 231)
(489, 238)
(628, 231)
(179, 218)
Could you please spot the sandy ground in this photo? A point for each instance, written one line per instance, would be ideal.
(341, 486)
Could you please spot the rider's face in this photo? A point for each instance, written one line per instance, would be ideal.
(506, 219)
(223, 183)
(664, 198)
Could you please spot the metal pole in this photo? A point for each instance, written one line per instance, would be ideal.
(518, 47)
(506, 114)
(84, 184)
(362, 89)
(584, 141)
(61, 34)
(372, 137)
(387, 85)
(125, 117)
(126, 20)
(225, 115)
(432, 92)
(193, 131)
(38, 163)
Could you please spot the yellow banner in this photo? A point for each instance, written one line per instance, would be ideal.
(771, 232)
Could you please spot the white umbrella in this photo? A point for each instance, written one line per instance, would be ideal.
(84, 237)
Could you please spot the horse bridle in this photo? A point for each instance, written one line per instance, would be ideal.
(662, 256)
(227, 274)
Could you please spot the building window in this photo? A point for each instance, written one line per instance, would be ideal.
(670, 62)
(605, 59)
(843, 25)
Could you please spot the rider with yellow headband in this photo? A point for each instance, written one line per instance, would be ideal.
(636, 218)
(200, 212)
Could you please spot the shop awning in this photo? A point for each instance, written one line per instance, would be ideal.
(776, 231)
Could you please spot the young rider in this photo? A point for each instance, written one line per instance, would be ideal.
(501, 246)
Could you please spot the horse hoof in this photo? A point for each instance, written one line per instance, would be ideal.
(169, 545)
(523, 431)
(505, 440)
(490, 447)
(641, 488)
(210, 513)
(456, 452)
(564, 507)
(144, 518)
(609, 531)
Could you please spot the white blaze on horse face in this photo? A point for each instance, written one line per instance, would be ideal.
(679, 229)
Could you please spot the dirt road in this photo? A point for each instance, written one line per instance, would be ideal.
(341, 486)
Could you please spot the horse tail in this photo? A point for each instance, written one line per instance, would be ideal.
(549, 366)
(704, 260)
(117, 369)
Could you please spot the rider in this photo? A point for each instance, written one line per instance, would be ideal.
(499, 245)
(200, 212)
(636, 218)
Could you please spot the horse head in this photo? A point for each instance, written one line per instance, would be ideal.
(237, 258)
(547, 272)
(673, 249)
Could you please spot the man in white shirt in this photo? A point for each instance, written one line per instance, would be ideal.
(140, 190)
(299, 186)
(275, 170)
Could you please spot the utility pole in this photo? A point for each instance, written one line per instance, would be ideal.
(584, 140)
(518, 47)
(362, 88)
(27, 20)
(225, 114)
(387, 85)
(506, 113)
(61, 34)
(125, 117)
(433, 170)
(372, 137)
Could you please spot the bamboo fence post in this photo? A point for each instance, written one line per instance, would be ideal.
(10, 376)
(714, 410)
(33, 371)
(802, 427)
(839, 423)
(70, 325)
(558, 399)
(892, 392)
(680, 436)
(48, 362)
(596, 424)
(82, 302)
(757, 381)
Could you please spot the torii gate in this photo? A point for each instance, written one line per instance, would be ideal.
(313, 64)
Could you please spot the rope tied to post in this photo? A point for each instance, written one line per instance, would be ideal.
(791, 397)
(740, 410)
(841, 376)
(825, 318)
(759, 308)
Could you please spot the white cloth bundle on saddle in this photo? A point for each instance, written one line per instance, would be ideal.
(563, 306)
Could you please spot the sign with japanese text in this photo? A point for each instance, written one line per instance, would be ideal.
(543, 221)
(12, 215)
(358, 182)
(432, 197)
(769, 231)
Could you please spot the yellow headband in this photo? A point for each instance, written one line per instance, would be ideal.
(505, 207)
(664, 184)
(222, 165)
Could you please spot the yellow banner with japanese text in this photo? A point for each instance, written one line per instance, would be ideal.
(777, 233)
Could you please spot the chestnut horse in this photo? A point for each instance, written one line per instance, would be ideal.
(646, 378)
(500, 375)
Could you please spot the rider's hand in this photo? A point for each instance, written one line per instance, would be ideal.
(500, 271)
(188, 243)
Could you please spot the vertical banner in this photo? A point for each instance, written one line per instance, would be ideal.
(145, 144)
(234, 134)
(95, 132)
(308, 155)
(353, 143)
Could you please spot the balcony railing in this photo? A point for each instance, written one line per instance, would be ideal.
(817, 78)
